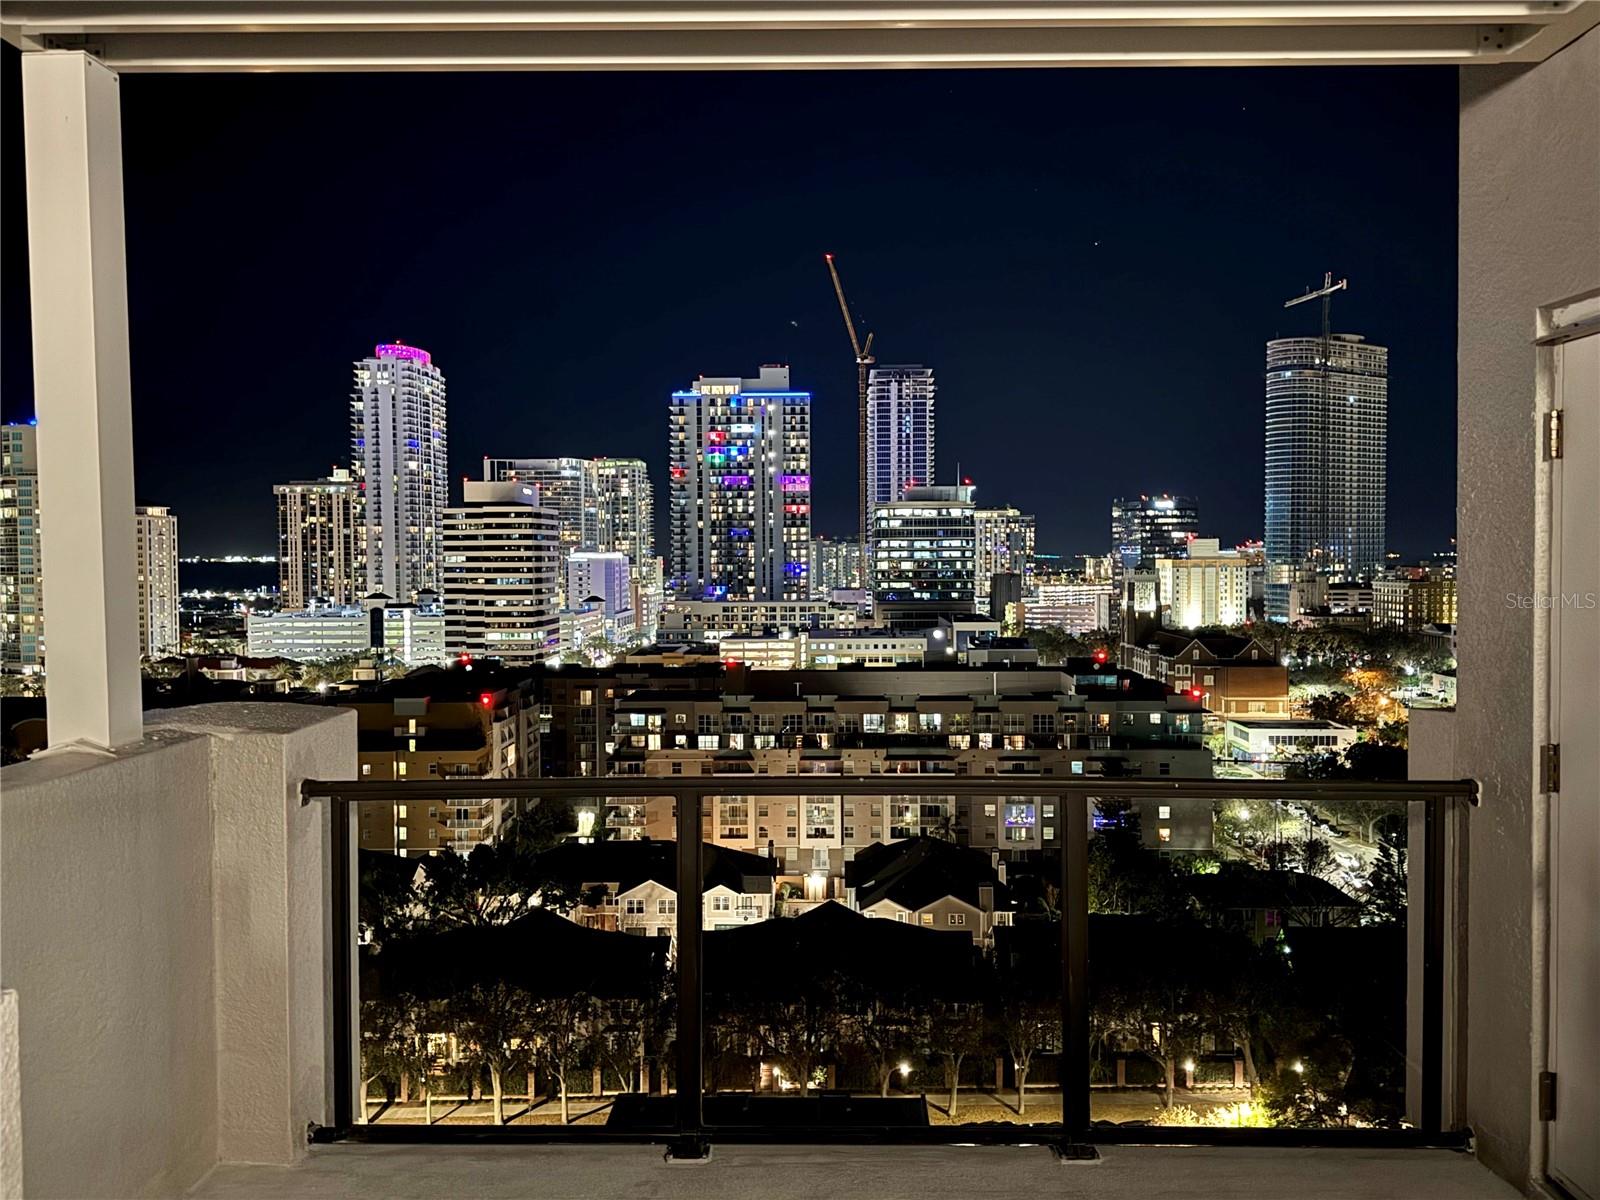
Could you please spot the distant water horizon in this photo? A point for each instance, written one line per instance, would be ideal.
(226, 576)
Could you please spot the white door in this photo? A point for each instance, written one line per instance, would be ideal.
(1574, 1147)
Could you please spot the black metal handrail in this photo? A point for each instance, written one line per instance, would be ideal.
(1073, 1135)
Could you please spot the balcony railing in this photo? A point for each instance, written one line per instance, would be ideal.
(1120, 993)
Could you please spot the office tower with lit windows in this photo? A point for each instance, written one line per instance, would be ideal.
(567, 488)
(400, 460)
(156, 584)
(316, 541)
(21, 580)
(739, 452)
(1327, 422)
(899, 431)
(925, 557)
(1005, 546)
(1144, 528)
(502, 557)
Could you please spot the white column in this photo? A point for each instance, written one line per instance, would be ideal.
(78, 279)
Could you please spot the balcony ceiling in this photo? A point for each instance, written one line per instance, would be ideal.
(498, 35)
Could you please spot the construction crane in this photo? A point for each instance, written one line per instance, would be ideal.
(1325, 294)
(864, 360)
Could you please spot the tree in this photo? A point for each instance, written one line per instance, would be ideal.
(496, 1024)
(1027, 1026)
(799, 1029)
(394, 1046)
(501, 880)
(1332, 706)
(1124, 877)
(561, 1029)
(952, 1032)
(882, 1026)
(1386, 886)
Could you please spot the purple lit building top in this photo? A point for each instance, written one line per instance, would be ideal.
(401, 350)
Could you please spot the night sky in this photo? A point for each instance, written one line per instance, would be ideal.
(1091, 260)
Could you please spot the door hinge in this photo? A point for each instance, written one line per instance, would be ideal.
(1552, 435)
(1550, 767)
(1547, 1095)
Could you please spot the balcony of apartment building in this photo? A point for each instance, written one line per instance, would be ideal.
(181, 937)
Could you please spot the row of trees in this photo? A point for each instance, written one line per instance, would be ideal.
(470, 953)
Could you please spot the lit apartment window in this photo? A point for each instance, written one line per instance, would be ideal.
(1164, 833)
(1164, 812)
(958, 918)
(927, 918)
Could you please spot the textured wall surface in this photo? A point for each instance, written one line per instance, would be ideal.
(105, 935)
(272, 876)
(10, 1099)
(163, 922)
(1529, 236)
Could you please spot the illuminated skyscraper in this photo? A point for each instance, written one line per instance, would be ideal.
(316, 541)
(156, 585)
(1005, 546)
(399, 457)
(1144, 528)
(567, 487)
(899, 431)
(625, 507)
(924, 557)
(1327, 461)
(502, 555)
(740, 458)
(21, 583)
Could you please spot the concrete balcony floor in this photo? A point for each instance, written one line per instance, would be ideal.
(883, 1173)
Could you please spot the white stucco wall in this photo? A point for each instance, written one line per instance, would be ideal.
(1529, 236)
(105, 936)
(162, 921)
(272, 875)
(10, 1100)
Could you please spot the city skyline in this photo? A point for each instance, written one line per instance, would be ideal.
(1058, 296)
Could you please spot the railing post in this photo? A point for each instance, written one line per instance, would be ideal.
(690, 1136)
(1075, 806)
(1433, 936)
(342, 917)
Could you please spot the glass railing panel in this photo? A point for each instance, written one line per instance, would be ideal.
(515, 960)
(1248, 962)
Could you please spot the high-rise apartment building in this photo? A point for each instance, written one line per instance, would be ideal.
(1327, 430)
(156, 582)
(625, 509)
(316, 541)
(1209, 586)
(1005, 546)
(502, 558)
(899, 431)
(837, 564)
(1144, 528)
(924, 557)
(740, 457)
(399, 456)
(21, 579)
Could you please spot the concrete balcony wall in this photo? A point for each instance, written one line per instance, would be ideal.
(162, 922)
(1529, 220)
